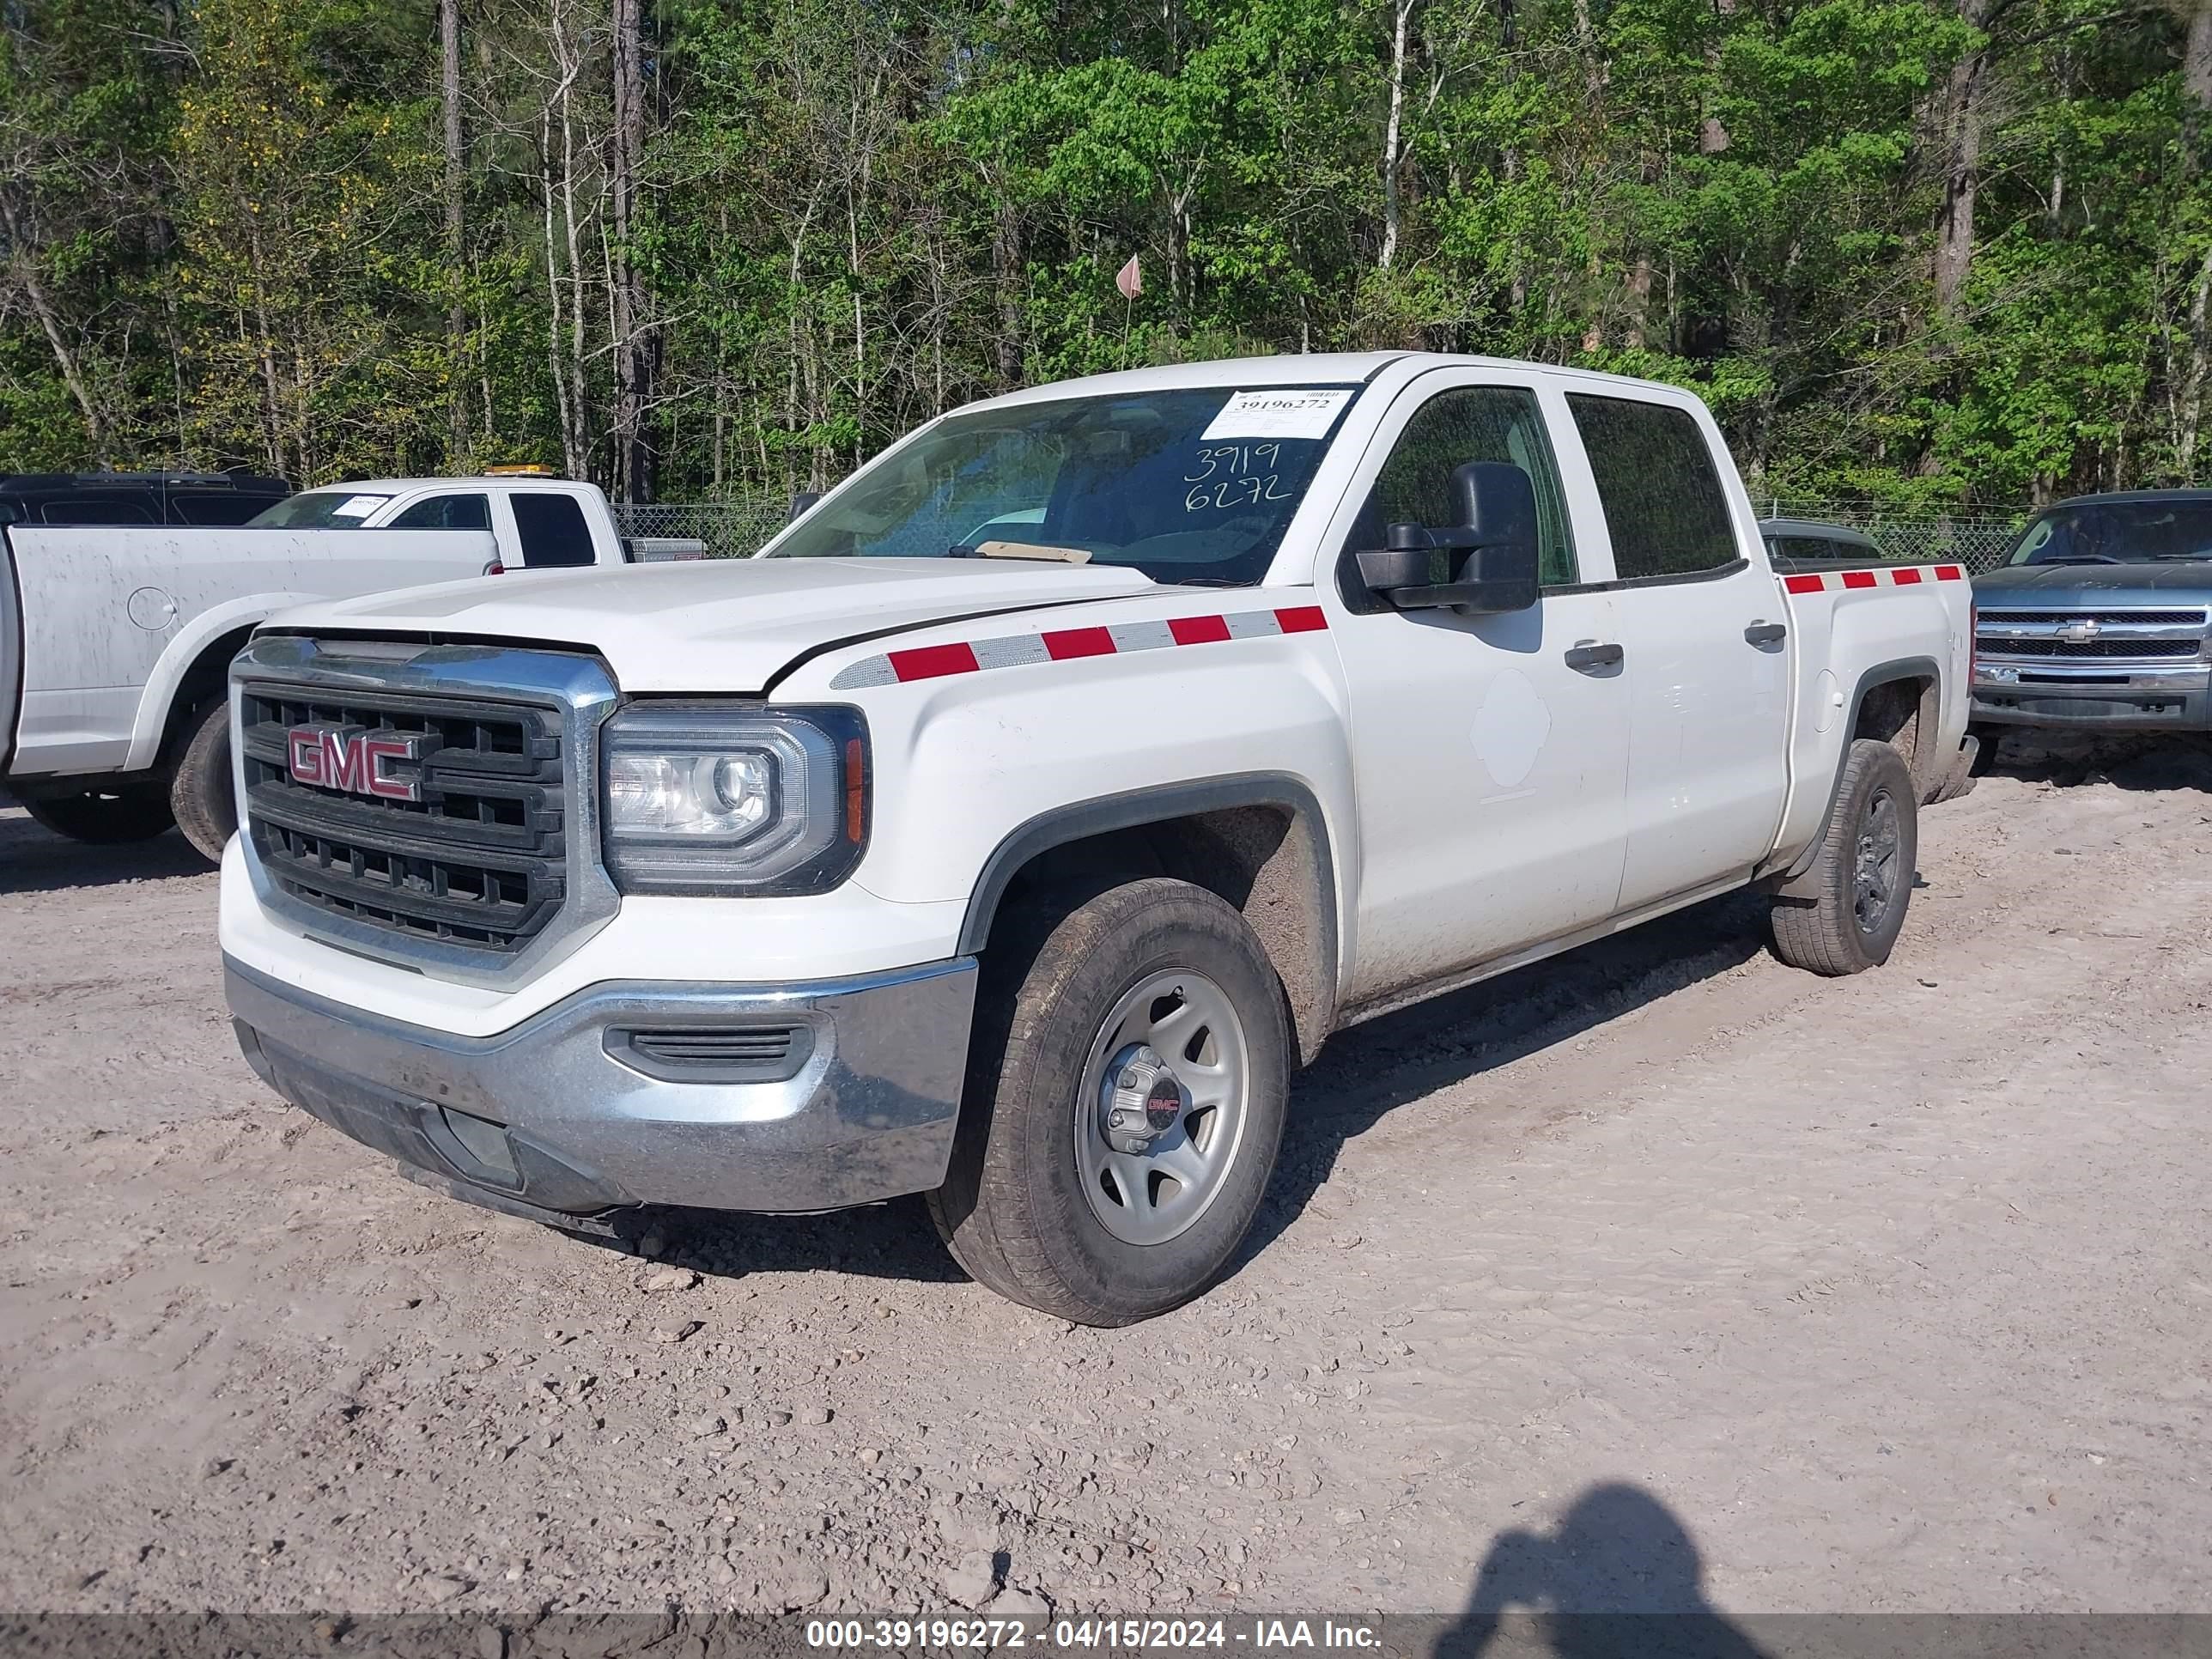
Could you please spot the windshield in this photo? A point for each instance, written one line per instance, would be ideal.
(2118, 532)
(320, 509)
(1193, 486)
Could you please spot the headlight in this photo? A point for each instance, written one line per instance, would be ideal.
(727, 798)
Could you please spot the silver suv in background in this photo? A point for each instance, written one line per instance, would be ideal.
(2097, 618)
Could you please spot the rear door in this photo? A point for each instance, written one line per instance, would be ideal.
(1701, 623)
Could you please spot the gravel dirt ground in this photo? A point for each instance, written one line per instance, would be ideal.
(1659, 1272)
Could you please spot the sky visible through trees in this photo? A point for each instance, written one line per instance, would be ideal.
(1914, 251)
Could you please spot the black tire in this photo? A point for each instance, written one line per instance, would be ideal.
(1829, 920)
(106, 817)
(201, 795)
(1985, 756)
(1013, 1209)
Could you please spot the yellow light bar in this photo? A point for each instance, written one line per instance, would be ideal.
(519, 469)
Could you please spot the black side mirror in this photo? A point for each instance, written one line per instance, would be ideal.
(802, 500)
(1496, 534)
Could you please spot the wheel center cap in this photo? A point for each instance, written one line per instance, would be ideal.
(1142, 1099)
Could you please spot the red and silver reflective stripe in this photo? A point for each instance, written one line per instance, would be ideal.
(1894, 575)
(929, 662)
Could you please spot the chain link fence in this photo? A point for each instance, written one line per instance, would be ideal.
(1977, 537)
(732, 530)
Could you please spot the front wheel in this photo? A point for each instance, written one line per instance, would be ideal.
(1844, 913)
(1124, 1106)
(201, 795)
(106, 817)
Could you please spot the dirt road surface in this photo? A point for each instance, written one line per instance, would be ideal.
(1659, 1271)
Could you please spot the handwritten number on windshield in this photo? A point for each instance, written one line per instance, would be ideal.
(1234, 475)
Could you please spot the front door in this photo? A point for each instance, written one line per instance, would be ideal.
(1491, 752)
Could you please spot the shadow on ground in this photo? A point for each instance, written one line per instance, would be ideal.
(33, 860)
(2149, 761)
(1362, 1075)
(1370, 1069)
(1620, 1576)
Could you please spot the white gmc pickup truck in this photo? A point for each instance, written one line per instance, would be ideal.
(1013, 827)
(115, 639)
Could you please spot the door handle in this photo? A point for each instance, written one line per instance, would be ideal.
(1587, 656)
(1765, 633)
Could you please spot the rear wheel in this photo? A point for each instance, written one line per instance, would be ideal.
(106, 817)
(200, 797)
(1844, 914)
(1124, 1104)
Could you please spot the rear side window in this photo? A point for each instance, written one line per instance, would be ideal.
(552, 529)
(445, 513)
(99, 509)
(216, 508)
(1662, 497)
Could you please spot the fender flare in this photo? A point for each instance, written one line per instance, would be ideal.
(1164, 803)
(151, 723)
(1882, 673)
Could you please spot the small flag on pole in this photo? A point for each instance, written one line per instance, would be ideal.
(1130, 279)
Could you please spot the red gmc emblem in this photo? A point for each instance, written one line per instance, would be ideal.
(348, 758)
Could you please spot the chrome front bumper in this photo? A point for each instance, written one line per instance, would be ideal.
(2113, 696)
(570, 1114)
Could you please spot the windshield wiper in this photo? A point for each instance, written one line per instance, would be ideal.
(2080, 558)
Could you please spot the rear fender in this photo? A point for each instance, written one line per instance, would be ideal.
(156, 703)
(1794, 860)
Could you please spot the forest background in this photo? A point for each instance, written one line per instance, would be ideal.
(1915, 252)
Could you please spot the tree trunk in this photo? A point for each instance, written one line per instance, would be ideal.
(2197, 93)
(1962, 163)
(633, 461)
(27, 278)
(1402, 16)
(2196, 119)
(1712, 134)
(1005, 275)
(457, 315)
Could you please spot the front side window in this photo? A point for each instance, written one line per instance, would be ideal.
(445, 513)
(1664, 503)
(552, 528)
(1470, 423)
(1195, 485)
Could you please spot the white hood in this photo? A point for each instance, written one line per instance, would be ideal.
(720, 624)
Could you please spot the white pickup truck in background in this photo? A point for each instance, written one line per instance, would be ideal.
(114, 640)
(1012, 827)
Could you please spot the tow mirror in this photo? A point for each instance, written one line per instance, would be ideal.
(801, 501)
(1483, 565)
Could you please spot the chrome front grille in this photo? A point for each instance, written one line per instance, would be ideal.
(2146, 650)
(2149, 637)
(477, 860)
(2115, 618)
(451, 823)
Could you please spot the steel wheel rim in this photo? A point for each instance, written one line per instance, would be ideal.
(1153, 1197)
(1874, 873)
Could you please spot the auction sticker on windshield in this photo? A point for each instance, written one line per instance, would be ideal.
(1279, 412)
